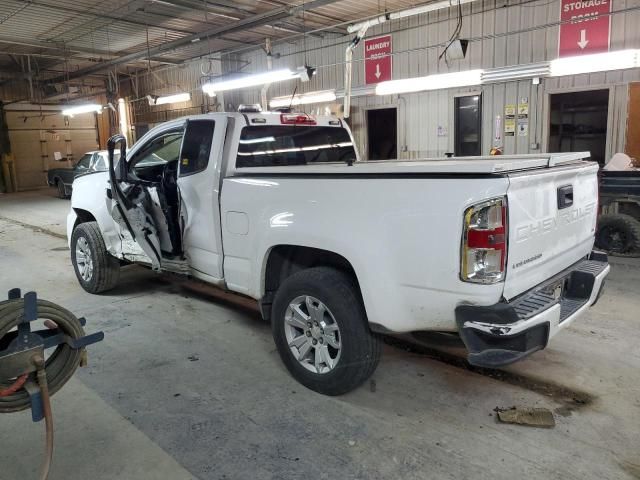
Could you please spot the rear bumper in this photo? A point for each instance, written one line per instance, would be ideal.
(507, 332)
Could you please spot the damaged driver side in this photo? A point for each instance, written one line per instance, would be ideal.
(145, 202)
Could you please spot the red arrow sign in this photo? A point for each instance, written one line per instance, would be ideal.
(585, 28)
(377, 59)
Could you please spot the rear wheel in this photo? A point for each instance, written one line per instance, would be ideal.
(618, 233)
(96, 270)
(321, 331)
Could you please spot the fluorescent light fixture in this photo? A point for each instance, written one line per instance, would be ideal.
(598, 62)
(177, 98)
(515, 72)
(303, 99)
(78, 109)
(271, 76)
(430, 82)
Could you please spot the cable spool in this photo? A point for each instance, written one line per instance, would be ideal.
(28, 376)
(60, 364)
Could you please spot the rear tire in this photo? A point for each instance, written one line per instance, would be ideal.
(96, 270)
(331, 298)
(618, 233)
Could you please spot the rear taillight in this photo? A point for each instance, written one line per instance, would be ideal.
(297, 119)
(484, 242)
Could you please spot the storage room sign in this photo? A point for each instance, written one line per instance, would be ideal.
(585, 27)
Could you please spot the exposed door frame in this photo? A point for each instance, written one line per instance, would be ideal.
(546, 126)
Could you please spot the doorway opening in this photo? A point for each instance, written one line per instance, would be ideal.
(382, 133)
(578, 123)
(468, 126)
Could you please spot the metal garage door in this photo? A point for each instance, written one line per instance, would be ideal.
(37, 138)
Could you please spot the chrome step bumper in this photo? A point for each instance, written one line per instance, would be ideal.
(509, 331)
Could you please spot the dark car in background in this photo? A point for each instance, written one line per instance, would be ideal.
(62, 178)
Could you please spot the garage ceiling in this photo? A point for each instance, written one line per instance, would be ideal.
(75, 40)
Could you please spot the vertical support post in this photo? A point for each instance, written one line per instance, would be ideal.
(265, 88)
(348, 57)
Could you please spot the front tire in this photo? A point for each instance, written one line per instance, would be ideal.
(96, 270)
(321, 331)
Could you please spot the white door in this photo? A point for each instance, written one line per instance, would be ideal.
(199, 187)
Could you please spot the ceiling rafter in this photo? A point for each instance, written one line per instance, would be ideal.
(253, 21)
(62, 51)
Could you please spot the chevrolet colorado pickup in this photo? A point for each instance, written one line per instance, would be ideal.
(336, 251)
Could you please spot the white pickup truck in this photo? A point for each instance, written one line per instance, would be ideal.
(279, 207)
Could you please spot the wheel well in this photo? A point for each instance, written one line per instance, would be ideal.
(285, 260)
(84, 216)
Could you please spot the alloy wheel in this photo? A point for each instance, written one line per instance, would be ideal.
(313, 335)
(84, 261)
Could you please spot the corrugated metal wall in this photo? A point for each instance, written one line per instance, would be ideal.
(188, 78)
(501, 33)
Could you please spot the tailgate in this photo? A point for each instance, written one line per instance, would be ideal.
(552, 221)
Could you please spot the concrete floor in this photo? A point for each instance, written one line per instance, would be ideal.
(187, 385)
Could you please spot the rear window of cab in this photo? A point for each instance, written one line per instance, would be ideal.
(282, 145)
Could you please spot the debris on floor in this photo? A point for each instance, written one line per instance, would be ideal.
(535, 417)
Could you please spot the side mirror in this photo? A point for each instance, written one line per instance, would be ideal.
(119, 170)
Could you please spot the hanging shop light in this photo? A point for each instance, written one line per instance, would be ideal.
(430, 82)
(272, 76)
(177, 98)
(303, 99)
(78, 109)
(515, 72)
(597, 62)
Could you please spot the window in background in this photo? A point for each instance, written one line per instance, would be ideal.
(468, 126)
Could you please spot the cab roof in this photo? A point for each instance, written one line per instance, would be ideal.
(269, 118)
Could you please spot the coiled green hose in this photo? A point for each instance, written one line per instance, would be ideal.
(59, 366)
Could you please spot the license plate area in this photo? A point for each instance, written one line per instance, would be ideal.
(556, 288)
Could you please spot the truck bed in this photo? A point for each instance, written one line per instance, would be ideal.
(466, 165)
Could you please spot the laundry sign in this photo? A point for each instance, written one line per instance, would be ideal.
(377, 59)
